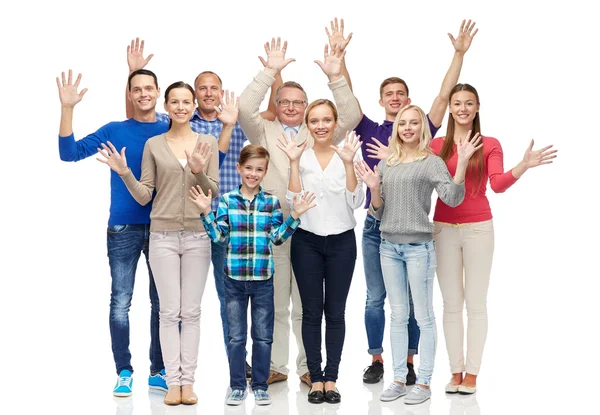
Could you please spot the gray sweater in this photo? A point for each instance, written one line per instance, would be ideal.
(406, 190)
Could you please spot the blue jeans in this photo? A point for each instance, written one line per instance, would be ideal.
(413, 265)
(219, 254)
(125, 243)
(374, 313)
(260, 294)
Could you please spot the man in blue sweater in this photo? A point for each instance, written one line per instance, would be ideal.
(129, 222)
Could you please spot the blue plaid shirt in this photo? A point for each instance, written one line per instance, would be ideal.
(252, 227)
(229, 178)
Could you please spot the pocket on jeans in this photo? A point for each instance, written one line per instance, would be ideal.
(116, 229)
(157, 236)
(483, 227)
(199, 234)
(369, 222)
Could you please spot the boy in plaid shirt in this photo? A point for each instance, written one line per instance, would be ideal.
(250, 221)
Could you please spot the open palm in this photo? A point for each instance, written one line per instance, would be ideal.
(348, 151)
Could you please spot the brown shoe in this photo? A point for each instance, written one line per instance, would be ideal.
(306, 379)
(173, 396)
(276, 377)
(188, 397)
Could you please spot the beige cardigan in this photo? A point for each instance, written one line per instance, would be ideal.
(172, 210)
(266, 133)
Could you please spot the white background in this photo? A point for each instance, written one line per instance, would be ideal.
(534, 65)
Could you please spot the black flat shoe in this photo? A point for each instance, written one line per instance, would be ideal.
(316, 397)
(333, 396)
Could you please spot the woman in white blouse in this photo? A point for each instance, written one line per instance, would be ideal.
(323, 249)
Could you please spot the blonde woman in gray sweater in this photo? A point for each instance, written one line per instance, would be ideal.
(401, 188)
(180, 254)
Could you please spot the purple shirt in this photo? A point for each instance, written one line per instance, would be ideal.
(367, 128)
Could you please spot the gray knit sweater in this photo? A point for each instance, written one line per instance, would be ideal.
(406, 190)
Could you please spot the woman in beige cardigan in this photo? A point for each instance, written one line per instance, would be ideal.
(173, 163)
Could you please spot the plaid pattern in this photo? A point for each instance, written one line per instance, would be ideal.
(252, 227)
(229, 178)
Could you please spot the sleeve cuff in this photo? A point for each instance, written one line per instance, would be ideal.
(338, 84)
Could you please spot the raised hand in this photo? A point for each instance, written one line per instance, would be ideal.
(368, 176)
(465, 36)
(332, 62)
(135, 55)
(199, 157)
(378, 150)
(228, 113)
(534, 158)
(276, 55)
(303, 202)
(113, 158)
(67, 90)
(201, 200)
(351, 145)
(467, 146)
(336, 37)
(290, 147)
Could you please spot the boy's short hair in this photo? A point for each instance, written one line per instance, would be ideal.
(253, 151)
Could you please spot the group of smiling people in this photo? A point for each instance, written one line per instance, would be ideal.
(276, 219)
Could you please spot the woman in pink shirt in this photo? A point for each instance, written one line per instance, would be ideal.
(464, 235)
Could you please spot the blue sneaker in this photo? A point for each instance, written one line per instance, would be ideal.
(124, 383)
(158, 381)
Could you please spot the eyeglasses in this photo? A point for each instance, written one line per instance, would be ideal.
(287, 102)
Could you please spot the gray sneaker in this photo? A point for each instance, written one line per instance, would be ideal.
(393, 392)
(417, 395)
(236, 397)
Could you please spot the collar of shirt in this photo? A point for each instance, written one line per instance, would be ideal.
(200, 117)
(289, 129)
(238, 193)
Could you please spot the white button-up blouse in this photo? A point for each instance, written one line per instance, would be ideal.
(335, 205)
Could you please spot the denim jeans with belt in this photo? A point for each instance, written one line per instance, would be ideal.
(125, 243)
(404, 265)
(262, 313)
(374, 312)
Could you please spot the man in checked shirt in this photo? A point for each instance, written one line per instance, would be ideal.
(249, 221)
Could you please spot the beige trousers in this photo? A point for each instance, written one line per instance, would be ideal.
(464, 258)
(179, 262)
(285, 287)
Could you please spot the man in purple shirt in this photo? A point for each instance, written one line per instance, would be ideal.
(393, 97)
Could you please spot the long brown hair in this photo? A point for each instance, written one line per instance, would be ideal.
(447, 151)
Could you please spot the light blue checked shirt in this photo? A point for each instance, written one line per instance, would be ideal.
(250, 228)
(229, 178)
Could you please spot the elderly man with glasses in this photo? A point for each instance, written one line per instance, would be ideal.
(291, 103)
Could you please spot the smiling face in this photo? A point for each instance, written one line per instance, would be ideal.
(464, 106)
(252, 172)
(394, 97)
(290, 106)
(410, 128)
(179, 104)
(208, 92)
(321, 123)
(143, 94)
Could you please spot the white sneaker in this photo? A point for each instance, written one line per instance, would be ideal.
(393, 392)
(417, 395)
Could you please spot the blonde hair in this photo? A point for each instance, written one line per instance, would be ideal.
(396, 153)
